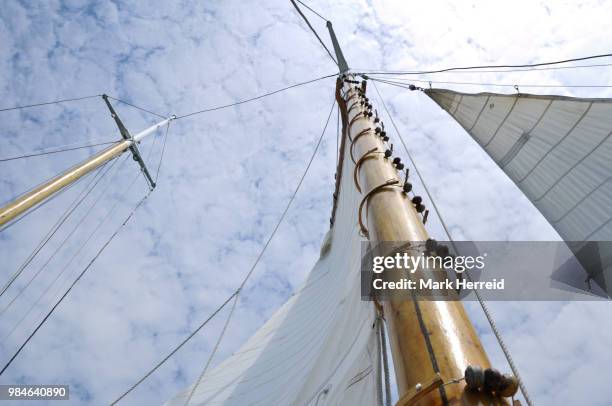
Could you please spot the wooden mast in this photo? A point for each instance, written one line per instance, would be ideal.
(39, 194)
(432, 342)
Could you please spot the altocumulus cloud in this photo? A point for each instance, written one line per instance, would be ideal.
(227, 175)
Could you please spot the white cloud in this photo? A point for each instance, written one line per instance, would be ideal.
(228, 174)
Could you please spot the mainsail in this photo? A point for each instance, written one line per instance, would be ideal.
(303, 354)
(557, 150)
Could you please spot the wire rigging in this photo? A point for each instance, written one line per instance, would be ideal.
(161, 156)
(261, 253)
(56, 151)
(405, 84)
(337, 136)
(215, 348)
(137, 107)
(481, 301)
(467, 68)
(50, 235)
(254, 98)
(50, 102)
(79, 249)
(74, 256)
(597, 65)
(235, 294)
(87, 267)
(176, 349)
(54, 229)
(314, 31)
(64, 240)
(310, 8)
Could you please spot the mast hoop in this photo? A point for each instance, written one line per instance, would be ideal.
(354, 120)
(361, 133)
(353, 106)
(363, 229)
(368, 155)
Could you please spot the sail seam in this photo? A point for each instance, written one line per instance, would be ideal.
(537, 123)
(503, 122)
(479, 114)
(569, 132)
(573, 167)
(598, 229)
(514, 150)
(570, 210)
(458, 104)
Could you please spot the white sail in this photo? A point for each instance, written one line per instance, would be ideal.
(557, 150)
(320, 347)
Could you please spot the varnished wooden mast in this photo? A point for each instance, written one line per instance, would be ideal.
(30, 199)
(429, 339)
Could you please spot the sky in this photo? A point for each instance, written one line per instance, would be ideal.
(227, 175)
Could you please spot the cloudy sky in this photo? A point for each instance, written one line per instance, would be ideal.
(227, 175)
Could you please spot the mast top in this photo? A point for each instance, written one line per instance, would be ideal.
(342, 65)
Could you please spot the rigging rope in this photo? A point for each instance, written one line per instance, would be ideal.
(137, 107)
(54, 229)
(379, 378)
(51, 102)
(175, 350)
(254, 98)
(309, 8)
(47, 237)
(76, 253)
(261, 253)
(482, 303)
(215, 348)
(55, 151)
(314, 31)
(161, 156)
(59, 301)
(337, 136)
(405, 83)
(65, 239)
(162, 116)
(244, 281)
(597, 65)
(465, 68)
(385, 360)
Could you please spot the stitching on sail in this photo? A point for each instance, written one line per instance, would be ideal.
(514, 150)
(582, 200)
(360, 376)
(594, 149)
(479, 114)
(516, 98)
(569, 132)
(533, 128)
